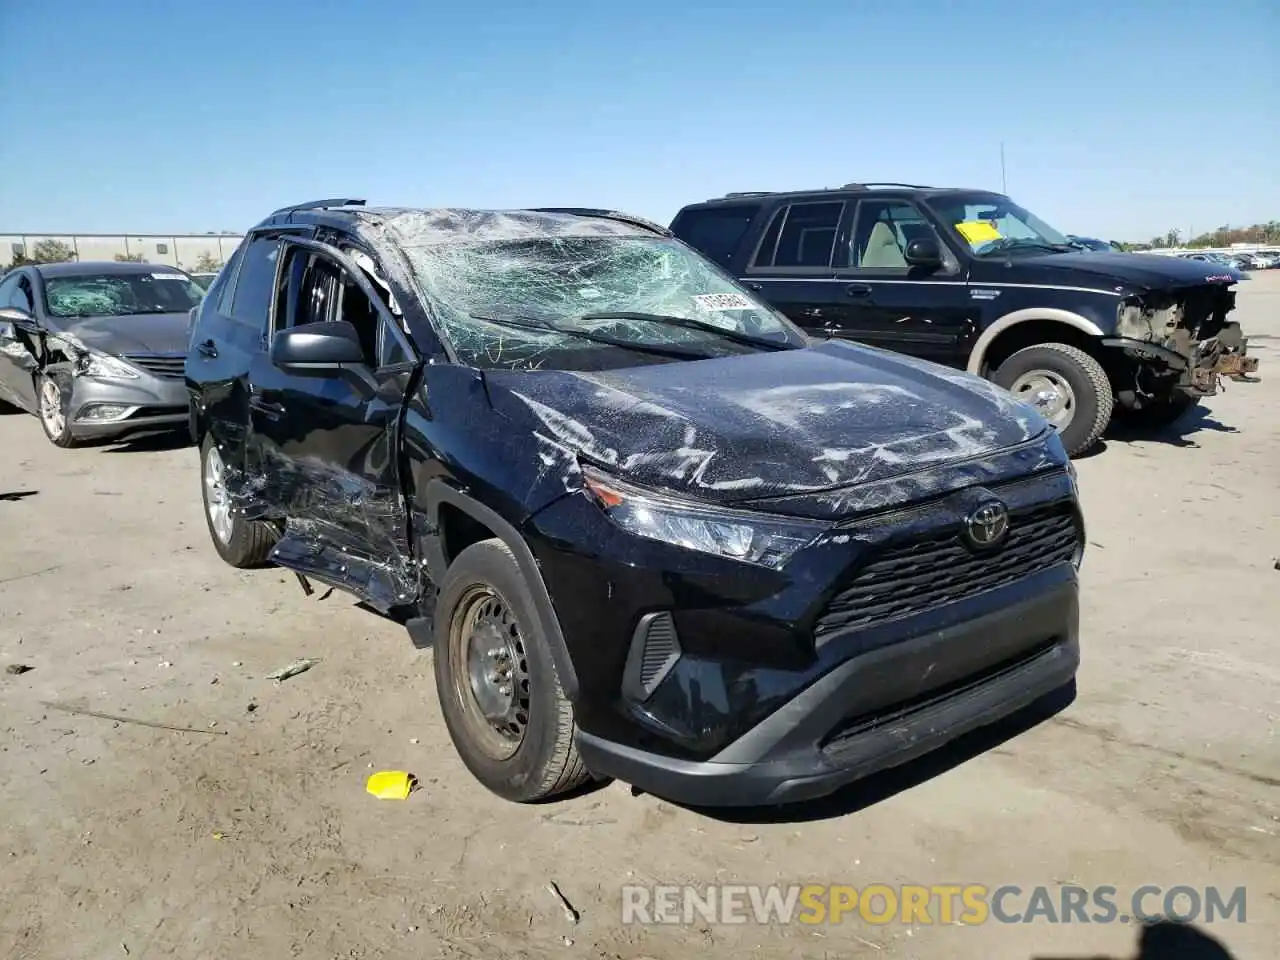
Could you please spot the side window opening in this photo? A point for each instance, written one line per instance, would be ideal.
(314, 289)
(23, 296)
(801, 235)
(716, 232)
(255, 280)
(882, 232)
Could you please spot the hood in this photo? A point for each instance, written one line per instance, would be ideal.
(766, 424)
(134, 333)
(1138, 270)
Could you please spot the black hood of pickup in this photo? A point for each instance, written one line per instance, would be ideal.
(1105, 271)
(134, 333)
(766, 424)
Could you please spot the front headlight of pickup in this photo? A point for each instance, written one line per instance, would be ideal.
(762, 539)
(104, 367)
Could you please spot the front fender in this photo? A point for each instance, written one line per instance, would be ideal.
(1078, 321)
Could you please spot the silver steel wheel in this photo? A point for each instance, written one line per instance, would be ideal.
(215, 496)
(55, 420)
(493, 690)
(1051, 395)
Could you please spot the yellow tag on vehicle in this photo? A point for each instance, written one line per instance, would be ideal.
(978, 231)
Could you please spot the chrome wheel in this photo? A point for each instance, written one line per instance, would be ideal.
(51, 412)
(493, 690)
(216, 501)
(1049, 393)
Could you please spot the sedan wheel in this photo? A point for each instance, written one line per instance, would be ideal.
(53, 413)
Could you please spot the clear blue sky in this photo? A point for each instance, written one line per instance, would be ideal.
(1120, 118)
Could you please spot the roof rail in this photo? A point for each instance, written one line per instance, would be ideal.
(320, 205)
(883, 183)
(606, 215)
(748, 193)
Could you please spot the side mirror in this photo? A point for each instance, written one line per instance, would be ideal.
(15, 315)
(317, 349)
(924, 252)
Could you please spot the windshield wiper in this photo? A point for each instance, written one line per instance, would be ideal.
(544, 326)
(689, 323)
(1022, 243)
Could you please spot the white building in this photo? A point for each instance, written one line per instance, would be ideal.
(185, 251)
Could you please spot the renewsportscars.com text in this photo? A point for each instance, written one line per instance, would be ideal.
(970, 904)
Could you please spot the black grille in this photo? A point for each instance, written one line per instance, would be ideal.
(167, 365)
(909, 578)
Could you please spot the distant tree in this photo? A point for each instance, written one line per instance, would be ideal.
(51, 251)
(130, 258)
(1226, 235)
(1173, 237)
(207, 263)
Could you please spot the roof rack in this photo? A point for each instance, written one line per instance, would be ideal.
(882, 183)
(319, 205)
(606, 215)
(748, 193)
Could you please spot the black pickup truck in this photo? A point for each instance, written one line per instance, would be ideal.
(651, 530)
(969, 279)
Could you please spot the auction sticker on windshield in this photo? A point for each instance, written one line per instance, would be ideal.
(978, 231)
(723, 301)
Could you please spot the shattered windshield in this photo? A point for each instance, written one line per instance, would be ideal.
(994, 224)
(579, 301)
(120, 294)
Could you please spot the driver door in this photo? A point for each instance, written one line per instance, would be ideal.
(326, 444)
(925, 312)
(17, 344)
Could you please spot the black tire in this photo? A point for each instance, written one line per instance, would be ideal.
(250, 541)
(1155, 414)
(59, 436)
(1093, 399)
(486, 581)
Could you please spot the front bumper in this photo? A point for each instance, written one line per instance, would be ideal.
(711, 682)
(1198, 371)
(821, 740)
(116, 408)
(824, 739)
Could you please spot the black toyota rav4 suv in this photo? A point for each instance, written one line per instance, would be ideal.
(969, 279)
(650, 529)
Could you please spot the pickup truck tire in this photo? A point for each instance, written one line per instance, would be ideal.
(1076, 376)
(505, 710)
(242, 543)
(1163, 412)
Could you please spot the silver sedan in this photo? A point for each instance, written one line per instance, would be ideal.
(96, 350)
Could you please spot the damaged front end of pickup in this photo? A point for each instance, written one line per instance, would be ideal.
(1180, 341)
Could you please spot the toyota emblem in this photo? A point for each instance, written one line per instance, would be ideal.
(987, 526)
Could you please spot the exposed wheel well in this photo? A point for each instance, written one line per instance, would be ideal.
(1029, 333)
(459, 530)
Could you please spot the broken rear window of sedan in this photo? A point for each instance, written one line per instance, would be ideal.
(577, 297)
(118, 295)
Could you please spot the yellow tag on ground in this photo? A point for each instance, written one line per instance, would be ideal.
(978, 231)
(390, 784)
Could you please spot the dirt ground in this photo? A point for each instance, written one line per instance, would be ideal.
(253, 836)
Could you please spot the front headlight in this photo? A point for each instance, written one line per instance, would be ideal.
(105, 367)
(757, 538)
